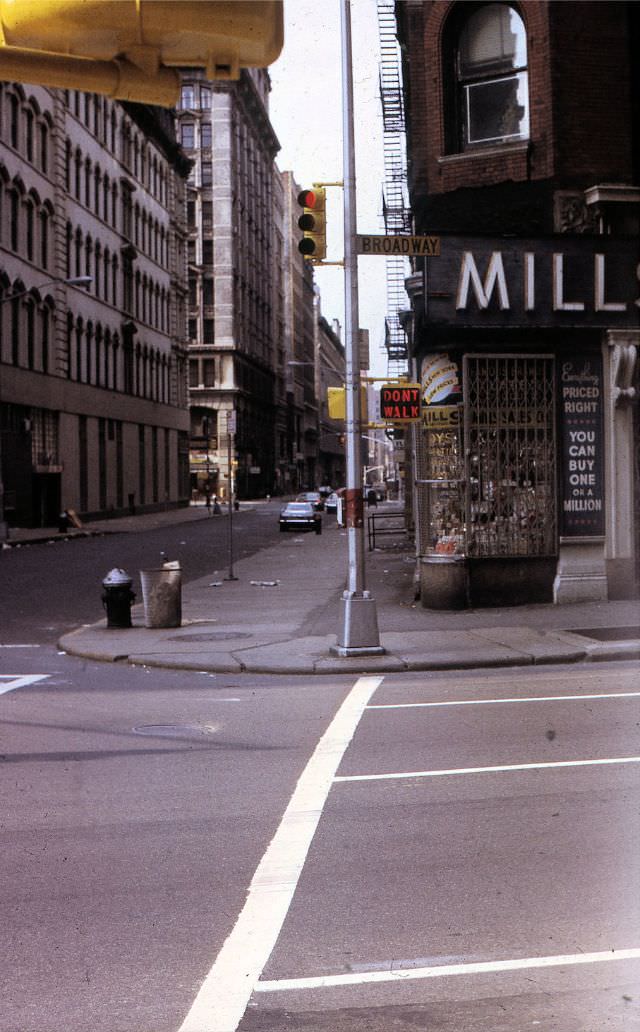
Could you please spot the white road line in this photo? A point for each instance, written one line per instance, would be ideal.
(444, 971)
(19, 646)
(13, 681)
(489, 702)
(225, 993)
(486, 770)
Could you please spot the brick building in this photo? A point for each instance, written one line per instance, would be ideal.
(523, 140)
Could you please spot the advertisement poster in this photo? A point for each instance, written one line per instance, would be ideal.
(582, 489)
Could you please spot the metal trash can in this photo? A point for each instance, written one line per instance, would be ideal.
(162, 596)
(117, 598)
(444, 582)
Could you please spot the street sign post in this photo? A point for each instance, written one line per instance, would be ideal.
(391, 246)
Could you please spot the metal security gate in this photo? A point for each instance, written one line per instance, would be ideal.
(510, 455)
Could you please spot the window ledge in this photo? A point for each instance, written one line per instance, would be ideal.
(521, 147)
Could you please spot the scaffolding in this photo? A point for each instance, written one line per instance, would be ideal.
(395, 206)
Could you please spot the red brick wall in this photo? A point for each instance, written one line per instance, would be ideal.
(579, 91)
(592, 91)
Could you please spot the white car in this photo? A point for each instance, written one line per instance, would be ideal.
(331, 502)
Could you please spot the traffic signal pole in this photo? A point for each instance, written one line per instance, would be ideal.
(358, 632)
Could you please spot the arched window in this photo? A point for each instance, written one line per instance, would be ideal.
(45, 333)
(45, 134)
(491, 77)
(46, 215)
(29, 219)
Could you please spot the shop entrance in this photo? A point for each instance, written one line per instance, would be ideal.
(510, 455)
(487, 486)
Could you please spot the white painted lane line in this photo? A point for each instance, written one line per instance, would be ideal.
(225, 993)
(489, 702)
(486, 770)
(19, 646)
(445, 971)
(9, 682)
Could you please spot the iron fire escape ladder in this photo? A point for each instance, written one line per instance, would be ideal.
(395, 207)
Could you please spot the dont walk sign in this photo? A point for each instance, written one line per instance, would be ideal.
(400, 403)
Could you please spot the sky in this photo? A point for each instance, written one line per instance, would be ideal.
(306, 113)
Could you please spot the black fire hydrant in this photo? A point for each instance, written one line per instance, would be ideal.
(117, 598)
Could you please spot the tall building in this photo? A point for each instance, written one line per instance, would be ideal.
(330, 371)
(299, 350)
(523, 135)
(234, 305)
(92, 378)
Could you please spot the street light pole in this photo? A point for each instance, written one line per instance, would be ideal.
(358, 632)
(75, 281)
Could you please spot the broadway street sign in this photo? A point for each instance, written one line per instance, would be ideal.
(412, 246)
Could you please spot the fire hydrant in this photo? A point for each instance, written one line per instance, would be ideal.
(117, 598)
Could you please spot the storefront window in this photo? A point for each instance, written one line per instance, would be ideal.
(488, 472)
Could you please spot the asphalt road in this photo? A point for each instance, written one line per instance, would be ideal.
(138, 806)
(48, 589)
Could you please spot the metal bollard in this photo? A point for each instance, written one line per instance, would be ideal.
(117, 598)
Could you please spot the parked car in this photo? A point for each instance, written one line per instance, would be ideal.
(331, 503)
(300, 516)
(314, 497)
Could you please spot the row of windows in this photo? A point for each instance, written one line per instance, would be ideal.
(117, 132)
(202, 372)
(25, 221)
(94, 355)
(141, 296)
(85, 181)
(25, 330)
(24, 127)
(97, 356)
(196, 135)
(195, 96)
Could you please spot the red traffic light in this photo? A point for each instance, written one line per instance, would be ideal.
(308, 198)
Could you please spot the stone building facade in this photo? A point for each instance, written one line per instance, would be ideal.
(235, 292)
(92, 379)
(524, 161)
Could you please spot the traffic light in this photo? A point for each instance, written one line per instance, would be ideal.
(132, 49)
(337, 403)
(313, 223)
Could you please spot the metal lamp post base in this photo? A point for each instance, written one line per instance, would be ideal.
(358, 635)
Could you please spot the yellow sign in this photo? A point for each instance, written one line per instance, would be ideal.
(412, 246)
(442, 417)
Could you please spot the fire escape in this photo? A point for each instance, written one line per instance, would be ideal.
(395, 207)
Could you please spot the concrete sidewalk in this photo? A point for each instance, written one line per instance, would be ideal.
(281, 616)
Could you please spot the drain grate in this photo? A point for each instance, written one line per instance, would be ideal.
(608, 633)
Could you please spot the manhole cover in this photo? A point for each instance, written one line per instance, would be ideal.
(177, 730)
(211, 636)
(609, 633)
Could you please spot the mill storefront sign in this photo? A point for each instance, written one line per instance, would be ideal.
(561, 281)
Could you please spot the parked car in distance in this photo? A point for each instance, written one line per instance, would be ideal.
(331, 502)
(300, 516)
(314, 497)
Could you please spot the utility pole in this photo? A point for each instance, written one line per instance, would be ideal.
(231, 432)
(358, 632)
